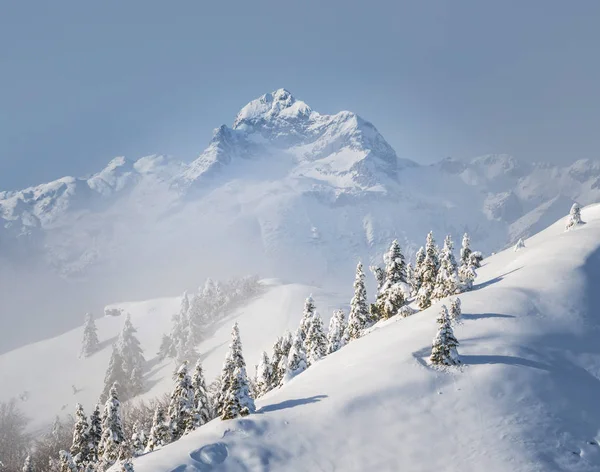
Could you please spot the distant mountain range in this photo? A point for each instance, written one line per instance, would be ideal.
(285, 192)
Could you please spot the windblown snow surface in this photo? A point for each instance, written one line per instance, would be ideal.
(526, 398)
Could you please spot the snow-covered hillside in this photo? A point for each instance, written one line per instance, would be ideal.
(44, 373)
(285, 192)
(526, 398)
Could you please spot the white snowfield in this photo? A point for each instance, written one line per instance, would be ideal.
(526, 398)
(45, 372)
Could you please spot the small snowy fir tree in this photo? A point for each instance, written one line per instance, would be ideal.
(391, 296)
(443, 351)
(296, 361)
(418, 271)
(574, 217)
(133, 358)
(159, 433)
(379, 275)
(80, 448)
(181, 406)
(90, 341)
(264, 374)
(27, 466)
(67, 464)
(335, 334)
(395, 265)
(94, 434)
(520, 244)
(202, 408)
(114, 374)
(410, 277)
(359, 317)
(234, 399)
(138, 440)
(447, 282)
(465, 250)
(455, 311)
(307, 316)
(316, 341)
(186, 348)
(112, 430)
(276, 357)
(428, 274)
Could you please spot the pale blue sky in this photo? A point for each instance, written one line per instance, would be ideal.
(82, 82)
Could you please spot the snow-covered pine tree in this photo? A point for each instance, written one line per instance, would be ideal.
(574, 217)
(307, 316)
(428, 273)
(202, 413)
(94, 434)
(114, 374)
(455, 311)
(181, 406)
(520, 244)
(138, 440)
(90, 342)
(410, 277)
(418, 271)
(133, 357)
(27, 465)
(167, 348)
(465, 250)
(126, 466)
(316, 341)
(186, 348)
(276, 357)
(296, 360)
(286, 343)
(379, 275)
(335, 333)
(234, 399)
(447, 282)
(391, 296)
(264, 375)
(395, 265)
(159, 433)
(359, 318)
(443, 351)
(112, 430)
(67, 464)
(80, 448)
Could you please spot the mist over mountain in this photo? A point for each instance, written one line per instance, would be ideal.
(284, 192)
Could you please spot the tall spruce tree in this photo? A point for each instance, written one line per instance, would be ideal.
(307, 316)
(443, 351)
(133, 357)
(80, 448)
(359, 317)
(465, 250)
(418, 271)
(90, 342)
(202, 413)
(335, 333)
(112, 430)
(167, 348)
(455, 311)
(395, 265)
(379, 275)
(264, 375)
(391, 296)
(429, 270)
(276, 357)
(159, 433)
(94, 434)
(138, 440)
(296, 360)
(181, 406)
(316, 341)
(114, 374)
(234, 399)
(447, 282)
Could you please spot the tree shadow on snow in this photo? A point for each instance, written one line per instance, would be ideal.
(291, 403)
(479, 316)
(494, 280)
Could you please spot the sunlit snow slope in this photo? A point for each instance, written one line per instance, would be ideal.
(526, 398)
(45, 372)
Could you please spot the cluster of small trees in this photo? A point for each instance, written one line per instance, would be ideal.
(196, 316)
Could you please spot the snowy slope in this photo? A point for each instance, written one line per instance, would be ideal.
(47, 370)
(285, 192)
(526, 398)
